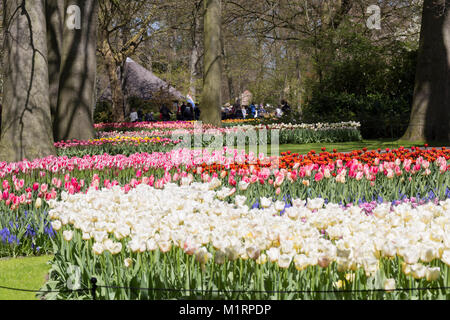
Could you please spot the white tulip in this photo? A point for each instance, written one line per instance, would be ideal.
(56, 225)
(240, 200)
(151, 244)
(262, 259)
(86, 236)
(99, 236)
(301, 262)
(214, 184)
(432, 274)
(243, 185)
(279, 206)
(298, 203)
(253, 252)
(38, 203)
(68, 235)
(265, 202)
(128, 262)
(219, 257)
(428, 254)
(202, 255)
(314, 204)
(389, 284)
(411, 256)
(273, 254)
(418, 271)
(446, 257)
(284, 261)
(164, 246)
(232, 253)
(98, 248)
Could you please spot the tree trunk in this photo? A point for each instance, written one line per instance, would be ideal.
(125, 36)
(76, 100)
(117, 96)
(430, 116)
(226, 69)
(55, 27)
(26, 117)
(195, 54)
(212, 86)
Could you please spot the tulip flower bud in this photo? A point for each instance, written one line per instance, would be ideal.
(389, 284)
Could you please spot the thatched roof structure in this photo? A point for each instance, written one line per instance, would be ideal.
(142, 83)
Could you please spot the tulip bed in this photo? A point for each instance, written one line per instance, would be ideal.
(286, 133)
(118, 144)
(186, 238)
(360, 177)
(375, 198)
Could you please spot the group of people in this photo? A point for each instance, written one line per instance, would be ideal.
(253, 111)
(187, 112)
(237, 111)
(191, 111)
(139, 116)
(184, 112)
(284, 109)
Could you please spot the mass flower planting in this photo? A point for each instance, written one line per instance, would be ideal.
(363, 180)
(286, 133)
(186, 237)
(117, 144)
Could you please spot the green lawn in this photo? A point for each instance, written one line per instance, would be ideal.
(349, 146)
(23, 273)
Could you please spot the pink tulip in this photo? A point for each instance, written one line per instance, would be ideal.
(390, 173)
(151, 181)
(359, 175)
(318, 176)
(231, 181)
(44, 188)
(279, 181)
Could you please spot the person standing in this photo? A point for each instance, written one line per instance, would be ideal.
(252, 110)
(165, 112)
(134, 116)
(183, 111)
(197, 112)
(279, 112)
(285, 107)
(188, 113)
(244, 113)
